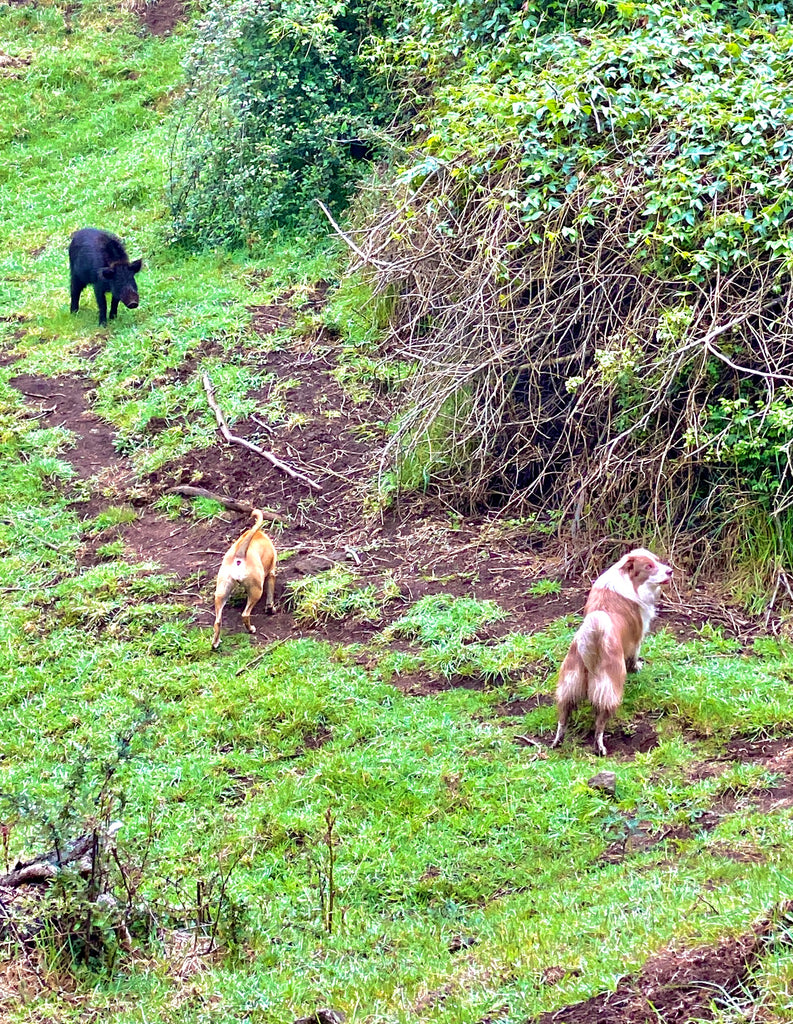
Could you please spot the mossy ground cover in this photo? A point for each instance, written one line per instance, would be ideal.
(470, 865)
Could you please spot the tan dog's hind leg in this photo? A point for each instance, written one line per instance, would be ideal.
(254, 591)
(269, 593)
(222, 591)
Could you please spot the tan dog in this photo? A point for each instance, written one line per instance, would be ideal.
(618, 613)
(251, 562)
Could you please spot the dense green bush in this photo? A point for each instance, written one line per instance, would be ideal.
(608, 311)
(281, 106)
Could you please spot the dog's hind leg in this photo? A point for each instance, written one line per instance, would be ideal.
(603, 716)
(222, 591)
(269, 593)
(254, 590)
(570, 690)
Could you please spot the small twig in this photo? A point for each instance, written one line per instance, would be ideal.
(529, 741)
(701, 899)
(330, 821)
(262, 424)
(259, 657)
(234, 439)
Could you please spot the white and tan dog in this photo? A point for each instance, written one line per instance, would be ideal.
(617, 614)
(251, 562)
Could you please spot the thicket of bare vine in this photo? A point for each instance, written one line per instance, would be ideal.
(564, 374)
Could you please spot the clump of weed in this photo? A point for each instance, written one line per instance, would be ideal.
(335, 595)
(544, 587)
(440, 618)
(205, 508)
(169, 505)
(112, 550)
(115, 515)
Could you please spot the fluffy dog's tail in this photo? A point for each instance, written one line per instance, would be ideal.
(601, 651)
(241, 549)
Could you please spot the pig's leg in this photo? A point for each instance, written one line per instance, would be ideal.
(113, 308)
(77, 288)
(99, 292)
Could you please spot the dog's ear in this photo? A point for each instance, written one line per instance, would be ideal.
(629, 564)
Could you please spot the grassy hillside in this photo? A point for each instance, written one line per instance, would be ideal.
(373, 825)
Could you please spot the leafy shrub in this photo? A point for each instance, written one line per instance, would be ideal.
(756, 437)
(617, 194)
(280, 102)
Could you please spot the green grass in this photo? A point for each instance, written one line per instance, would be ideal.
(221, 767)
(334, 594)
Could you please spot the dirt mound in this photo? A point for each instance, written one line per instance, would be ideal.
(676, 985)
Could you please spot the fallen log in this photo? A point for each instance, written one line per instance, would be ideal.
(188, 491)
(45, 867)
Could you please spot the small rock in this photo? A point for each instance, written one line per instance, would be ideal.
(323, 1017)
(460, 942)
(606, 782)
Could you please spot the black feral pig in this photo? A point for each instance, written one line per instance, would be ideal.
(100, 259)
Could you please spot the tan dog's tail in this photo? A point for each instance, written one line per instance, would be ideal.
(241, 549)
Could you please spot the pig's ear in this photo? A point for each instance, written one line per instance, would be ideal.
(135, 267)
(107, 274)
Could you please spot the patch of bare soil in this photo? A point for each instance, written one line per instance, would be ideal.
(420, 543)
(520, 706)
(63, 402)
(677, 985)
(775, 755)
(640, 837)
(160, 16)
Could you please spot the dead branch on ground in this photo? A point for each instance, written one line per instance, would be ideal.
(44, 868)
(235, 439)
